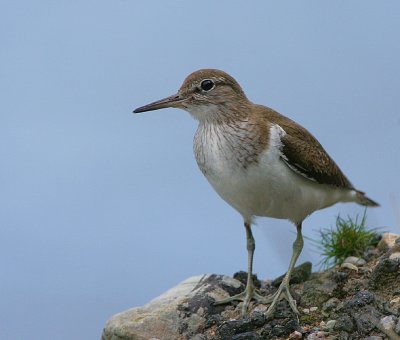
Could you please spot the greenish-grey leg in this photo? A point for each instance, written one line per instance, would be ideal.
(283, 290)
(249, 293)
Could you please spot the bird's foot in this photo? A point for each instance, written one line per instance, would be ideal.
(282, 292)
(246, 296)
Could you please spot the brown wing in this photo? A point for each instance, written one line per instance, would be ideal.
(313, 162)
(305, 155)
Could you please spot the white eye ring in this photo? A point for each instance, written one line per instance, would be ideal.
(207, 85)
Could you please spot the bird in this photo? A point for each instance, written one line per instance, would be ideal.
(261, 163)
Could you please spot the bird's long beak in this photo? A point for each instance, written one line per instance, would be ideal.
(171, 101)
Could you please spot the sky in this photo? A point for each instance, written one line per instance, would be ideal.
(102, 210)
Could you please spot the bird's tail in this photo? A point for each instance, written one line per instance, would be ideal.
(364, 200)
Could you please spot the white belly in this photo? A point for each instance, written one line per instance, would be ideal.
(265, 188)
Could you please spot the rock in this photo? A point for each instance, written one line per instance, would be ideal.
(370, 253)
(242, 327)
(242, 277)
(397, 328)
(387, 241)
(394, 305)
(349, 266)
(319, 335)
(344, 323)
(364, 323)
(360, 299)
(295, 335)
(331, 324)
(388, 322)
(317, 290)
(279, 328)
(246, 336)
(179, 311)
(299, 274)
(395, 255)
(330, 305)
(357, 261)
(337, 304)
(339, 277)
(386, 274)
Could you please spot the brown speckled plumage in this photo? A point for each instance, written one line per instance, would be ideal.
(260, 162)
(301, 151)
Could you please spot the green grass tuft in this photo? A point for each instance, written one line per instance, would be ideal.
(349, 238)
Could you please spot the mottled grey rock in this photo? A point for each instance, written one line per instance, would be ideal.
(330, 305)
(246, 336)
(242, 277)
(397, 328)
(360, 299)
(344, 323)
(364, 323)
(317, 290)
(388, 322)
(386, 274)
(179, 312)
(299, 274)
(346, 303)
(339, 276)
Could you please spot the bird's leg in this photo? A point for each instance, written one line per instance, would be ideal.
(249, 292)
(283, 290)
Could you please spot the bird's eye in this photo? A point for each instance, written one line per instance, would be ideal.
(207, 85)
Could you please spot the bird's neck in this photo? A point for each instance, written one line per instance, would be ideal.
(239, 141)
(225, 112)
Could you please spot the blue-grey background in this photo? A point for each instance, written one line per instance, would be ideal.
(102, 210)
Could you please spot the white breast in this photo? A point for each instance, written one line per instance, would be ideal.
(264, 188)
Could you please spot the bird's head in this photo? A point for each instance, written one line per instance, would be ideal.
(206, 94)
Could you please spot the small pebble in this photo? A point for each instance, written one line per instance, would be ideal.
(387, 241)
(313, 309)
(296, 335)
(388, 322)
(331, 324)
(357, 261)
(395, 301)
(395, 256)
(349, 266)
(317, 336)
(306, 311)
(260, 308)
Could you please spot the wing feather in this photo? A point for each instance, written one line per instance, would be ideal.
(302, 152)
